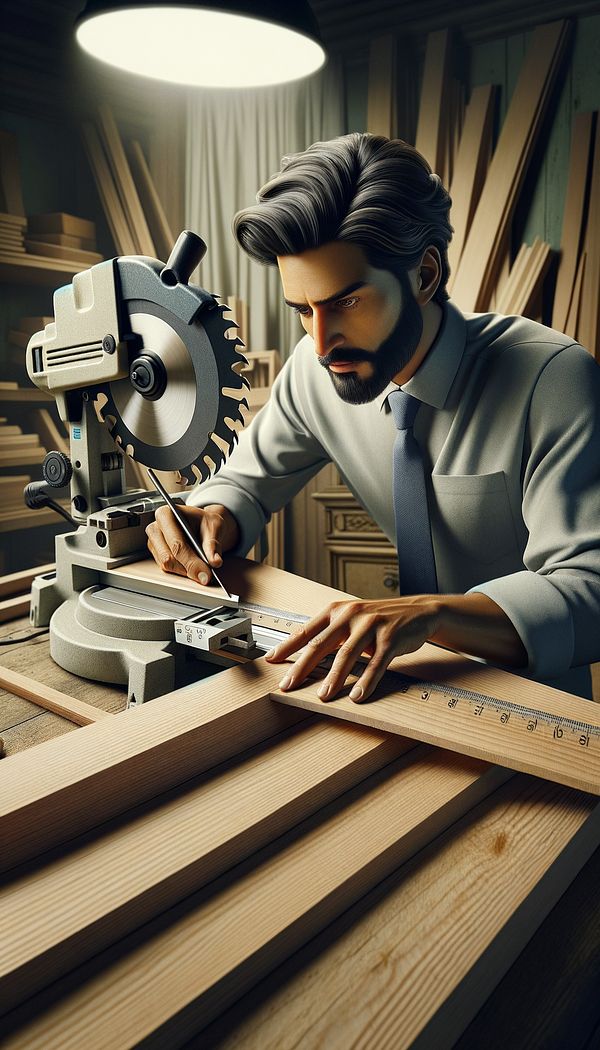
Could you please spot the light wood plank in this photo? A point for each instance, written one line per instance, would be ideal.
(588, 328)
(192, 836)
(160, 229)
(128, 194)
(470, 169)
(475, 278)
(190, 965)
(67, 706)
(433, 109)
(573, 226)
(413, 962)
(572, 325)
(11, 608)
(123, 238)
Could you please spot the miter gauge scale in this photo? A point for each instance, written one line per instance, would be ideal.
(141, 366)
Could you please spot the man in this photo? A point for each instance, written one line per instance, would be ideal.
(506, 431)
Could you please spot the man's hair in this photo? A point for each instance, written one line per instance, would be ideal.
(375, 192)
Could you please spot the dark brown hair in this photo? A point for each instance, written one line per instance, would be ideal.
(376, 192)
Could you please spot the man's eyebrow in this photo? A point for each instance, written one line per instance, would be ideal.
(332, 298)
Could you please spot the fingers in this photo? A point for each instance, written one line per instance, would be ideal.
(298, 638)
(342, 666)
(170, 542)
(163, 557)
(319, 645)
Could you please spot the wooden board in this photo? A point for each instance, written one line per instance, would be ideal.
(588, 328)
(62, 223)
(124, 183)
(10, 608)
(57, 251)
(477, 269)
(160, 230)
(413, 962)
(113, 209)
(192, 835)
(433, 109)
(88, 244)
(573, 226)
(43, 695)
(19, 582)
(189, 965)
(470, 168)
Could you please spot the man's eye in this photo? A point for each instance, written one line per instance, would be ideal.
(302, 310)
(347, 304)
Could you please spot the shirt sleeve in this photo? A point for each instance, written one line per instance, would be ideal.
(275, 457)
(554, 603)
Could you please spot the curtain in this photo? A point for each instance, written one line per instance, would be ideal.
(235, 142)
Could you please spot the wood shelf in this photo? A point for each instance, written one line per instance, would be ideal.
(25, 268)
(18, 517)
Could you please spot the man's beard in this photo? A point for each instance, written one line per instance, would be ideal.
(387, 361)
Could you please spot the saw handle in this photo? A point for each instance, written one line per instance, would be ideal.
(189, 250)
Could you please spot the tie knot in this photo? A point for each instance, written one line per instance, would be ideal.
(404, 408)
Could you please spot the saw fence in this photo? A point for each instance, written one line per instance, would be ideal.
(158, 863)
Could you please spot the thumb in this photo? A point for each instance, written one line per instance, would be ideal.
(211, 542)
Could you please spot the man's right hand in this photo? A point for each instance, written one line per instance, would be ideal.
(215, 527)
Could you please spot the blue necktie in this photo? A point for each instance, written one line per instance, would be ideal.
(416, 563)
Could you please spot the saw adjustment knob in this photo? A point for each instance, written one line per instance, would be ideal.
(57, 469)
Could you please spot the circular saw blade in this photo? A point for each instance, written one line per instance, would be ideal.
(192, 426)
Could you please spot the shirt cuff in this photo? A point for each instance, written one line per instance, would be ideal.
(251, 520)
(540, 615)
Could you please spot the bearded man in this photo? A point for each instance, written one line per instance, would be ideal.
(472, 440)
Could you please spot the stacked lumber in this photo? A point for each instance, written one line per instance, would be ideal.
(481, 259)
(12, 233)
(58, 235)
(16, 448)
(216, 832)
(133, 209)
(16, 586)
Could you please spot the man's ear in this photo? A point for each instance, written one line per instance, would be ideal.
(428, 276)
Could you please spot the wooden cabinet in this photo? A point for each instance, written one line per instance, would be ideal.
(360, 558)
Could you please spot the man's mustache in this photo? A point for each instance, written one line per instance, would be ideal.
(347, 354)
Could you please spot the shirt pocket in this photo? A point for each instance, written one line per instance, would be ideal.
(473, 529)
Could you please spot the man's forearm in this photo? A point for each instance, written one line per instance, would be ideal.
(474, 624)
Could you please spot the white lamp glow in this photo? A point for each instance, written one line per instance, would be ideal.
(199, 46)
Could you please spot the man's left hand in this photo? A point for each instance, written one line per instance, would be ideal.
(379, 629)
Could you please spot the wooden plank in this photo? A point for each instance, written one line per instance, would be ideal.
(470, 169)
(10, 608)
(528, 294)
(433, 108)
(160, 229)
(191, 964)
(123, 238)
(193, 836)
(382, 88)
(59, 222)
(57, 251)
(588, 328)
(477, 268)
(573, 226)
(49, 432)
(572, 325)
(19, 582)
(572, 758)
(67, 706)
(24, 394)
(126, 190)
(465, 906)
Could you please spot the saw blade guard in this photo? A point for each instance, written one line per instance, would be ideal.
(180, 406)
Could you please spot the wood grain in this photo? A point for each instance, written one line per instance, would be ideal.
(67, 706)
(124, 183)
(192, 835)
(413, 962)
(188, 966)
(433, 108)
(470, 168)
(573, 226)
(475, 278)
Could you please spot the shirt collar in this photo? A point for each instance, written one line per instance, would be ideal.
(432, 381)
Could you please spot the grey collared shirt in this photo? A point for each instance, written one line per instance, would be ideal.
(510, 431)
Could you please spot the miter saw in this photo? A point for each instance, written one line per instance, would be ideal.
(140, 365)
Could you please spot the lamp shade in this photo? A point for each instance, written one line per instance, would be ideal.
(243, 43)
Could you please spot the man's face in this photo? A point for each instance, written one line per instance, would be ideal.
(365, 323)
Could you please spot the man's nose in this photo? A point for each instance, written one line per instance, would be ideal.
(326, 334)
